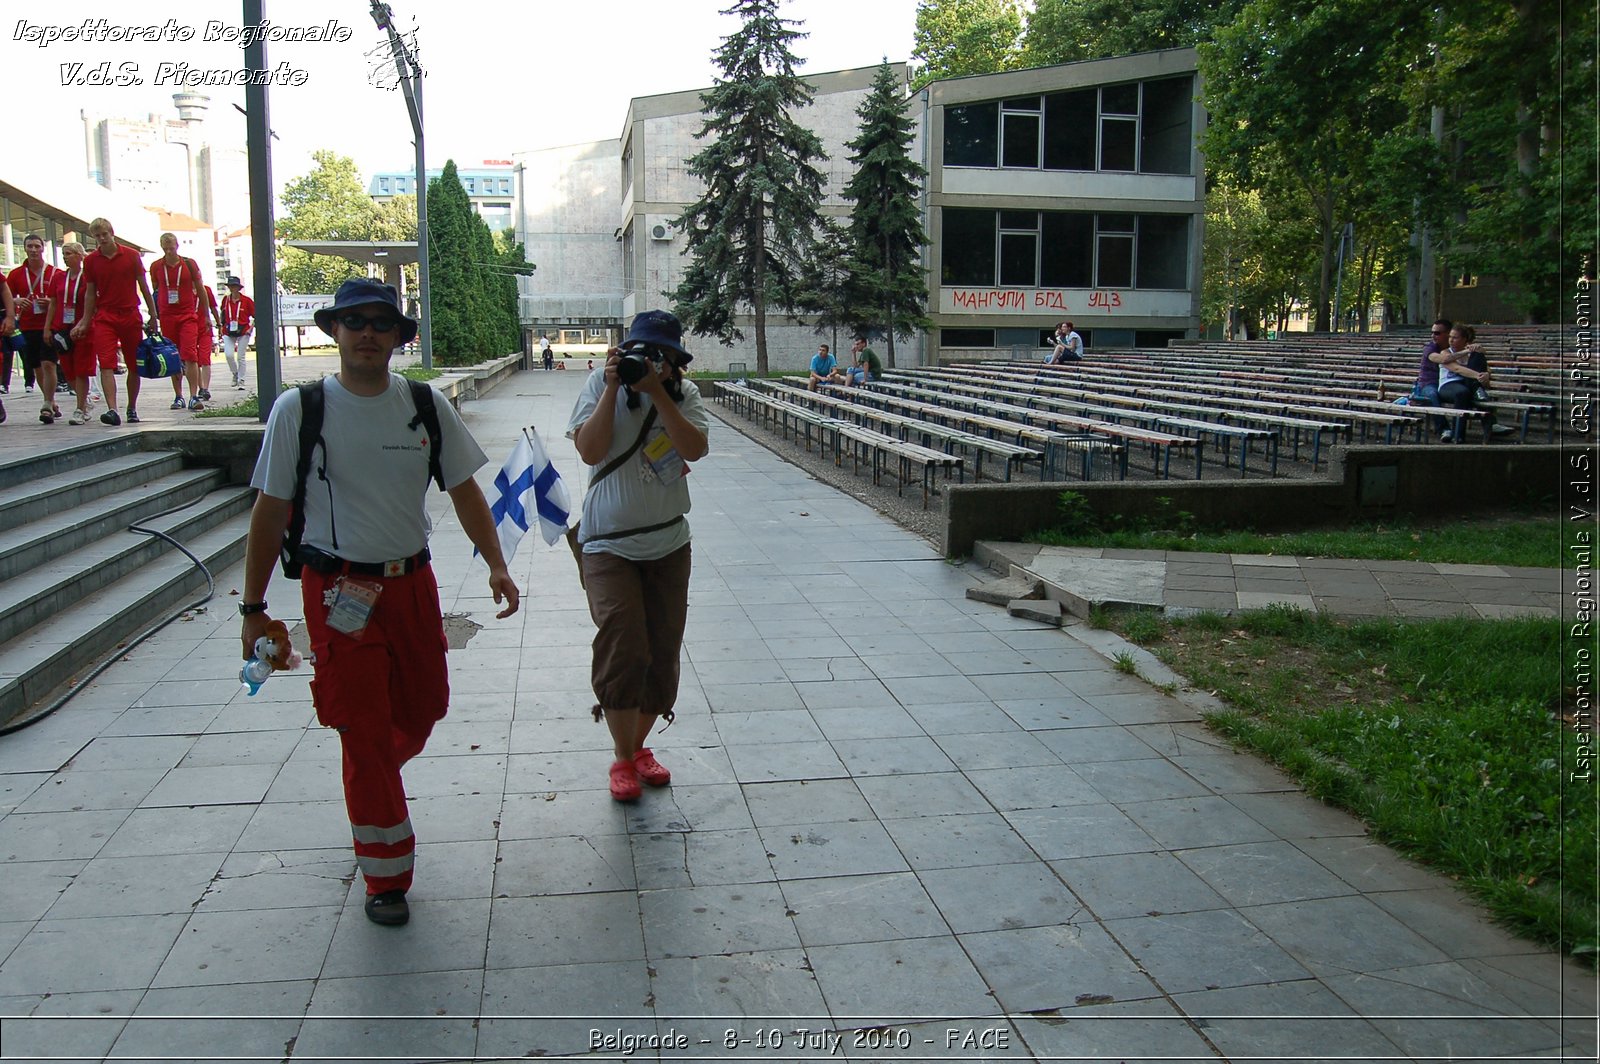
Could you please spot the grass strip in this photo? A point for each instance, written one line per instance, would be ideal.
(1448, 737)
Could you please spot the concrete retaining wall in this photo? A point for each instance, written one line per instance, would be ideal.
(1370, 483)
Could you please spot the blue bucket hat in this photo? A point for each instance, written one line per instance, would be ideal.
(359, 292)
(658, 328)
(234, 282)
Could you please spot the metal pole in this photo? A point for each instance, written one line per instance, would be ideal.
(263, 246)
(410, 72)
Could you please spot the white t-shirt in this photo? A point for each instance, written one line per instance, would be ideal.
(633, 495)
(375, 497)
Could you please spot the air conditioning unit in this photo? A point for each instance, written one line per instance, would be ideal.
(660, 227)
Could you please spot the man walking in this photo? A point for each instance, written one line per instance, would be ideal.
(371, 602)
(112, 276)
(30, 287)
(180, 300)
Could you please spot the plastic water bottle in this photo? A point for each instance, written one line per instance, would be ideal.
(254, 674)
(257, 669)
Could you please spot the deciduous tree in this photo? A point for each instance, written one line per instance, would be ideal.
(328, 203)
(955, 38)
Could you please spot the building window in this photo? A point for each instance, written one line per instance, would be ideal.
(383, 186)
(1019, 129)
(1019, 249)
(969, 247)
(966, 337)
(1163, 251)
(1136, 127)
(1069, 127)
(1165, 126)
(1066, 259)
(1063, 249)
(1114, 251)
(971, 134)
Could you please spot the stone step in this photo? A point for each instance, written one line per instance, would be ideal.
(74, 640)
(66, 454)
(34, 596)
(60, 534)
(46, 494)
(1007, 590)
(1045, 611)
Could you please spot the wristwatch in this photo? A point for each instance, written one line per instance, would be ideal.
(247, 608)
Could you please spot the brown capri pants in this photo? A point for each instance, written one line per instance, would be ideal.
(640, 609)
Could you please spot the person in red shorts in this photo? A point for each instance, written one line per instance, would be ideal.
(113, 279)
(180, 299)
(63, 311)
(30, 288)
(7, 316)
(370, 596)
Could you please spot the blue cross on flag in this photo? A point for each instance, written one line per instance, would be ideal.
(529, 486)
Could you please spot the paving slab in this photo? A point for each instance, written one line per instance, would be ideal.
(896, 814)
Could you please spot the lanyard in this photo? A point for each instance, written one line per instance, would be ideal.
(37, 284)
(166, 272)
(232, 308)
(70, 285)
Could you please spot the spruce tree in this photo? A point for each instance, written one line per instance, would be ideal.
(885, 225)
(749, 235)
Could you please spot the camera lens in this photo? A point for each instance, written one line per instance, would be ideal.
(631, 368)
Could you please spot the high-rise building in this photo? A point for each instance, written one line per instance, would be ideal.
(168, 163)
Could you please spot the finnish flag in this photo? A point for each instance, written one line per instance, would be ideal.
(528, 484)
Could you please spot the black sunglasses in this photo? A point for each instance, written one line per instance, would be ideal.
(380, 323)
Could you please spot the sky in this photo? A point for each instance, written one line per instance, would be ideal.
(501, 76)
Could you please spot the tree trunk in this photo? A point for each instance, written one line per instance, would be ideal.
(758, 304)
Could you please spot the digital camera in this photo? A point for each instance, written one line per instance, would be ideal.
(635, 363)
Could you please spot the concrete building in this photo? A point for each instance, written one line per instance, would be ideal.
(492, 188)
(57, 202)
(1066, 192)
(169, 164)
(1071, 192)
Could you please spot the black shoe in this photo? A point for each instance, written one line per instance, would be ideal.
(389, 908)
(133, 416)
(111, 417)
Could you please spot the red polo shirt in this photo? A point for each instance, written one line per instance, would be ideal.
(115, 280)
(26, 287)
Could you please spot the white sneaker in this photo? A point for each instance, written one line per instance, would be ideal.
(78, 418)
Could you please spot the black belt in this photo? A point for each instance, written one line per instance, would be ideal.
(328, 564)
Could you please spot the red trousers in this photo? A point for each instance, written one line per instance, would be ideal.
(108, 329)
(383, 691)
(183, 330)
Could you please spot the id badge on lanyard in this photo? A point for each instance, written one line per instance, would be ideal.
(172, 297)
(350, 605)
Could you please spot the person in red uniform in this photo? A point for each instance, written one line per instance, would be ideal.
(63, 311)
(180, 302)
(7, 315)
(113, 280)
(238, 318)
(206, 343)
(30, 290)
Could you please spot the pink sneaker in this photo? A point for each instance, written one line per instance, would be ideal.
(650, 770)
(624, 781)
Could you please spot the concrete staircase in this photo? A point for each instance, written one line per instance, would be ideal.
(74, 581)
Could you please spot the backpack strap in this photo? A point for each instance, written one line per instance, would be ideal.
(611, 466)
(311, 408)
(422, 396)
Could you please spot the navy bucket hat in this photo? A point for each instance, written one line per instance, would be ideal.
(658, 328)
(359, 292)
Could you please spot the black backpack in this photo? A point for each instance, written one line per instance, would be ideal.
(311, 410)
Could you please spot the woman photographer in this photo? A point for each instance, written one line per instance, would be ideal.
(637, 425)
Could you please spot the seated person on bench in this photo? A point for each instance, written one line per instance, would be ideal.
(867, 367)
(824, 369)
